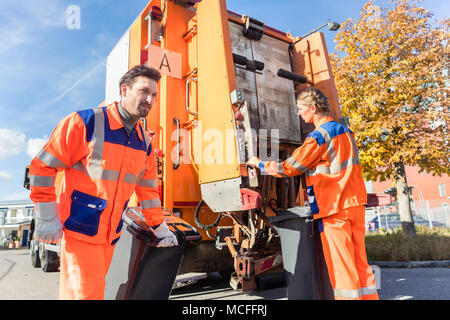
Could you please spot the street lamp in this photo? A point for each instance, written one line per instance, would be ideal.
(332, 26)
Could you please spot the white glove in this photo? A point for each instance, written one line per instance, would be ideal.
(48, 227)
(166, 237)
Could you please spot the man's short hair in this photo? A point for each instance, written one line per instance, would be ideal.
(140, 70)
(313, 96)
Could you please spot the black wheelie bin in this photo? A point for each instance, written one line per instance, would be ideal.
(141, 271)
(304, 265)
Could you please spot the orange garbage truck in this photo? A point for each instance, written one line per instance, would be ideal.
(227, 93)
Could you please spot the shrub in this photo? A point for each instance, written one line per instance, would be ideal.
(428, 244)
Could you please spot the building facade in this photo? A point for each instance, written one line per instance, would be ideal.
(15, 220)
(430, 195)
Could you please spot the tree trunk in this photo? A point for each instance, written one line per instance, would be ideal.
(404, 206)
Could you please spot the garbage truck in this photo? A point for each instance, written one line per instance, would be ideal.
(227, 93)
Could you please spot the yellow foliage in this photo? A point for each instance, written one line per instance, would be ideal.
(392, 85)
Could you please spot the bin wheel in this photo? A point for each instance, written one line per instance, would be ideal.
(49, 261)
(226, 275)
(34, 254)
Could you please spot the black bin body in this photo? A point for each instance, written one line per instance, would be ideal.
(304, 265)
(141, 271)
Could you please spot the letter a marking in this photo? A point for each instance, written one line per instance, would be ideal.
(164, 64)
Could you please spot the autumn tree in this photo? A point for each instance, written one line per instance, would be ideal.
(391, 72)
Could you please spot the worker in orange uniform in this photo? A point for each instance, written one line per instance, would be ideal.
(336, 192)
(106, 155)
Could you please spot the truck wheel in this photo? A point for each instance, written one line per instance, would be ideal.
(34, 254)
(49, 261)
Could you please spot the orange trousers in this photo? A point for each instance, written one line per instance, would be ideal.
(83, 269)
(344, 249)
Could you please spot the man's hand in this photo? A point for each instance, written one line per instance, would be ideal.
(166, 237)
(253, 161)
(48, 227)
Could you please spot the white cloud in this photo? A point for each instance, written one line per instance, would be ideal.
(14, 34)
(23, 20)
(35, 145)
(5, 175)
(12, 143)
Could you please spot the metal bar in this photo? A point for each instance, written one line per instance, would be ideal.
(177, 123)
(195, 114)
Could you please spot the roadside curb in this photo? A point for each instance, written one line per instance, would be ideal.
(411, 264)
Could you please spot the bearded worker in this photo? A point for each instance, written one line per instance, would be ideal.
(106, 155)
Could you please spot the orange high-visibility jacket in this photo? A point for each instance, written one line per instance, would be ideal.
(103, 167)
(329, 159)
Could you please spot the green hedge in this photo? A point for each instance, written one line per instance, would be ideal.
(428, 244)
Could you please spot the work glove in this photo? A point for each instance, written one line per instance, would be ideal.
(254, 162)
(166, 237)
(48, 227)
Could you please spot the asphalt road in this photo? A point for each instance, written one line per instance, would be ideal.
(20, 281)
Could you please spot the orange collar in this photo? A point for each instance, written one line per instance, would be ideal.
(115, 121)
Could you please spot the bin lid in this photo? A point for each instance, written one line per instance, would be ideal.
(291, 213)
(135, 221)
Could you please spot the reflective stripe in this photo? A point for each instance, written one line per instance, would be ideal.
(50, 160)
(99, 137)
(149, 183)
(319, 170)
(130, 178)
(334, 169)
(97, 172)
(335, 166)
(148, 204)
(349, 294)
(139, 177)
(297, 165)
(280, 169)
(369, 290)
(42, 181)
(354, 294)
(355, 148)
(329, 144)
(345, 165)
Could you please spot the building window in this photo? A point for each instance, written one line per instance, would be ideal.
(442, 191)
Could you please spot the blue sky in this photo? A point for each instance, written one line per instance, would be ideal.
(48, 70)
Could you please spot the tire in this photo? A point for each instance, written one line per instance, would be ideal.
(34, 254)
(49, 261)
